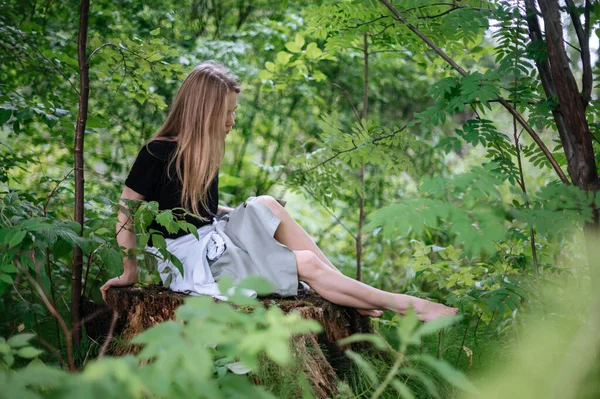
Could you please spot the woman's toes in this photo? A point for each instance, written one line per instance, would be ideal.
(370, 312)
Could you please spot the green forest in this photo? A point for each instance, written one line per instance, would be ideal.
(441, 149)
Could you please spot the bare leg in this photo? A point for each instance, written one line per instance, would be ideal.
(345, 291)
(290, 233)
(293, 236)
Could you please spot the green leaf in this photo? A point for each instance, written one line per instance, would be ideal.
(265, 75)
(15, 237)
(406, 328)
(283, 58)
(427, 382)
(312, 51)
(261, 285)
(279, 351)
(293, 47)
(155, 32)
(4, 348)
(192, 229)
(365, 366)
(29, 352)
(402, 389)
(225, 283)
(24, 115)
(175, 260)
(19, 340)
(270, 66)
(376, 340)
(111, 259)
(299, 40)
(435, 325)
(5, 115)
(450, 374)
(166, 220)
(159, 241)
(39, 375)
(9, 359)
(166, 330)
(96, 122)
(239, 299)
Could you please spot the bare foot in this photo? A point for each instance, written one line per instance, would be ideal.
(370, 312)
(427, 310)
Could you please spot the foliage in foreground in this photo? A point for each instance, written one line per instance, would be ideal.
(207, 352)
(473, 240)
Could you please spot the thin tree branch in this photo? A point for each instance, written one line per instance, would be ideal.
(583, 37)
(345, 93)
(52, 310)
(572, 46)
(543, 66)
(431, 5)
(361, 172)
(111, 330)
(383, 51)
(535, 34)
(374, 141)
(331, 158)
(78, 158)
(49, 196)
(87, 270)
(16, 55)
(385, 27)
(504, 103)
(243, 13)
(52, 349)
(98, 49)
(537, 140)
(392, 134)
(521, 181)
(332, 214)
(462, 345)
(368, 22)
(454, 8)
(47, 60)
(424, 38)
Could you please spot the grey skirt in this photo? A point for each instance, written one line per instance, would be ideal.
(251, 249)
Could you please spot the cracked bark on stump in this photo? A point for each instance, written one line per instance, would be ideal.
(320, 356)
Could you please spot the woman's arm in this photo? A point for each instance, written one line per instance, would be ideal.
(125, 231)
(223, 209)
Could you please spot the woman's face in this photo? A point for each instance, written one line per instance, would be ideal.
(231, 102)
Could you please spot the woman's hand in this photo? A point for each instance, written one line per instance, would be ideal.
(370, 312)
(126, 279)
(125, 230)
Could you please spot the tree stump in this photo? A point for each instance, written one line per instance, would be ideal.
(320, 358)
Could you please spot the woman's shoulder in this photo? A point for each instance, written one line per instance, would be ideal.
(161, 149)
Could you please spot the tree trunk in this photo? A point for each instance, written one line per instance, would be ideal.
(320, 358)
(571, 122)
(84, 91)
(361, 172)
(576, 137)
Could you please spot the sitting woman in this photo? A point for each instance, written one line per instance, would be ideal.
(179, 168)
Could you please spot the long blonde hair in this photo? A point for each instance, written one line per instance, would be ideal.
(196, 122)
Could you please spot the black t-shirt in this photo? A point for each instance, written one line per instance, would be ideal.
(148, 176)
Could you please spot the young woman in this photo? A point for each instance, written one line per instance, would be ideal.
(179, 167)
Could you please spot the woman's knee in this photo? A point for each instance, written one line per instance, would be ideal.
(309, 265)
(271, 203)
